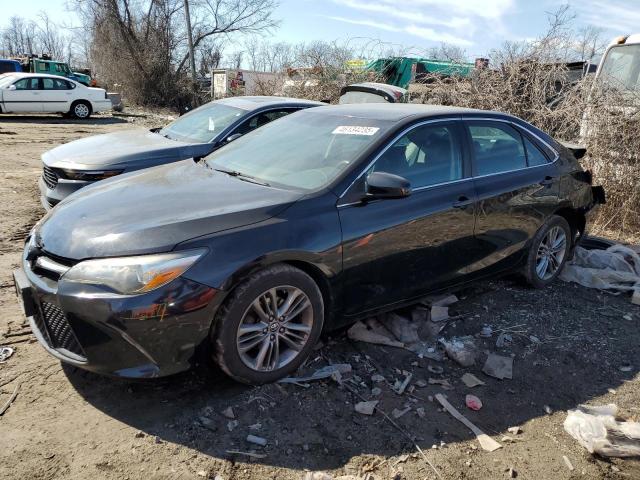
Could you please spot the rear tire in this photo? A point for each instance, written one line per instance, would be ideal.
(255, 343)
(80, 109)
(549, 251)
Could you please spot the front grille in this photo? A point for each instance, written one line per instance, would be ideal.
(50, 177)
(59, 330)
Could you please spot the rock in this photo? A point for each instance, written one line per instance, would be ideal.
(257, 440)
(376, 391)
(635, 298)
(420, 412)
(231, 425)
(486, 331)
(463, 350)
(470, 380)
(140, 434)
(366, 408)
(473, 402)
(157, 440)
(439, 313)
(202, 473)
(504, 340)
(548, 410)
(498, 366)
(376, 378)
(228, 412)
(208, 423)
(515, 430)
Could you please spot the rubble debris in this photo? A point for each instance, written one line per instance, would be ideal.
(443, 382)
(439, 314)
(486, 442)
(373, 332)
(470, 380)
(504, 340)
(232, 424)
(5, 353)
(514, 430)
(257, 440)
(420, 412)
(498, 366)
(397, 413)
(320, 374)
(426, 350)
(247, 454)
(597, 429)
(439, 300)
(461, 349)
(511, 473)
(366, 408)
(616, 268)
(473, 402)
(548, 410)
(435, 369)
(635, 298)
(228, 412)
(208, 423)
(568, 463)
(626, 368)
(534, 339)
(400, 387)
(421, 383)
(402, 328)
(376, 391)
(486, 331)
(377, 378)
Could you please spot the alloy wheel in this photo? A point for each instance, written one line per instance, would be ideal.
(551, 253)
(275, 328)
(81, 110)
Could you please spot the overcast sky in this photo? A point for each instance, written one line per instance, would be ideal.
(475, 25)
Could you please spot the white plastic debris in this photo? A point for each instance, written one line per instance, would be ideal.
(597, 430)
(463, 350)
(439, 314)
(322, 373)
(402, 328)
(373, 332)
(498, 366)
(257, 440)
(470, 380)
(5, 353)
(228, 412)
(366, 408)
(616, 268)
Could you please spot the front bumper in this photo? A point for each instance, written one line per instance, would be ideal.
(51, 196)
(132, 336)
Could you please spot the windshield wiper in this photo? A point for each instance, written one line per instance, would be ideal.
(242, 176)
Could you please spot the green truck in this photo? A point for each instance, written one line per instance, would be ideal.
(401, 71)
(44, 64)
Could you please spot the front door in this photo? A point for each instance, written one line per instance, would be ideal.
(25, 98)
(517, 187)
(397, 249)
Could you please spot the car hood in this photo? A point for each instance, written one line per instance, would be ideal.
(153, 210)
(120, 149)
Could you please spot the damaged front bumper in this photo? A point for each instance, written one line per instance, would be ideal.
(133, 336)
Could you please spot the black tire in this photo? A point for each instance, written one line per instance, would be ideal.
(531, 271)
(80, 109)
(224, 335)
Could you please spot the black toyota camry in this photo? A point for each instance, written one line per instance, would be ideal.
(308, 223)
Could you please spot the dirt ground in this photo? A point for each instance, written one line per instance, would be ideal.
(66, 423)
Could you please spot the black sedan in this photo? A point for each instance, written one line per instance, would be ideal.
(317, 219)
(76, 164)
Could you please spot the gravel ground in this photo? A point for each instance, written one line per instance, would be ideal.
(66, 423)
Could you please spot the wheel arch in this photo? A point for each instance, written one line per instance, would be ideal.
(576, 220)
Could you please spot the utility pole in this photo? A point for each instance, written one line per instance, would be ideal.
(192, 60)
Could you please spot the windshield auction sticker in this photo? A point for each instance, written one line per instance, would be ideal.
(355, 130)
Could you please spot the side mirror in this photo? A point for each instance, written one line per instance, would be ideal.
(386, 185)
(11, 87)
(233, 137)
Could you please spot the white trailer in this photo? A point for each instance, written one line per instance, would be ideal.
(230, 82)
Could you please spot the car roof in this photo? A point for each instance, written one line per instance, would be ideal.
(39, 75)
(255, 102)
(396, 111)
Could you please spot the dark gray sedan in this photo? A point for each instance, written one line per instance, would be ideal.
(71, 166)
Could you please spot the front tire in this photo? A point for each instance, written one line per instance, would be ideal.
(269, 325)
(549, 251)
(80, 109)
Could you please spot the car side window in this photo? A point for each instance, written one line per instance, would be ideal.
(426, 155)
(48, 84)
(261, 119)
(41, 66)
(497, 148)
(535, 156)
(27, 84)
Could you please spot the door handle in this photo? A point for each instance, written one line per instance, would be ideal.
(462, 202)
(548, 180)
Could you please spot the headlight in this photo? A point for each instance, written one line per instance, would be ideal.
(89, 175)
(132, 275)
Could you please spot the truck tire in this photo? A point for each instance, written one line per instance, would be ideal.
(80, 109)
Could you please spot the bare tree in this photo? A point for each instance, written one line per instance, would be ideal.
(448, 52)
(19, 37)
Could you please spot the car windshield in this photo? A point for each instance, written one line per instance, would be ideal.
(304, 150)
(203, 124)
(621, 68)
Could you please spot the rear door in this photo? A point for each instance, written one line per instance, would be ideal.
(56, 94)
(25, 98)
(396, 249)
(517, 187)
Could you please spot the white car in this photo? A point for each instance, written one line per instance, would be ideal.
(36, 93)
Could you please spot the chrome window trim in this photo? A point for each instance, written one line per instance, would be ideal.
(450, 119)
